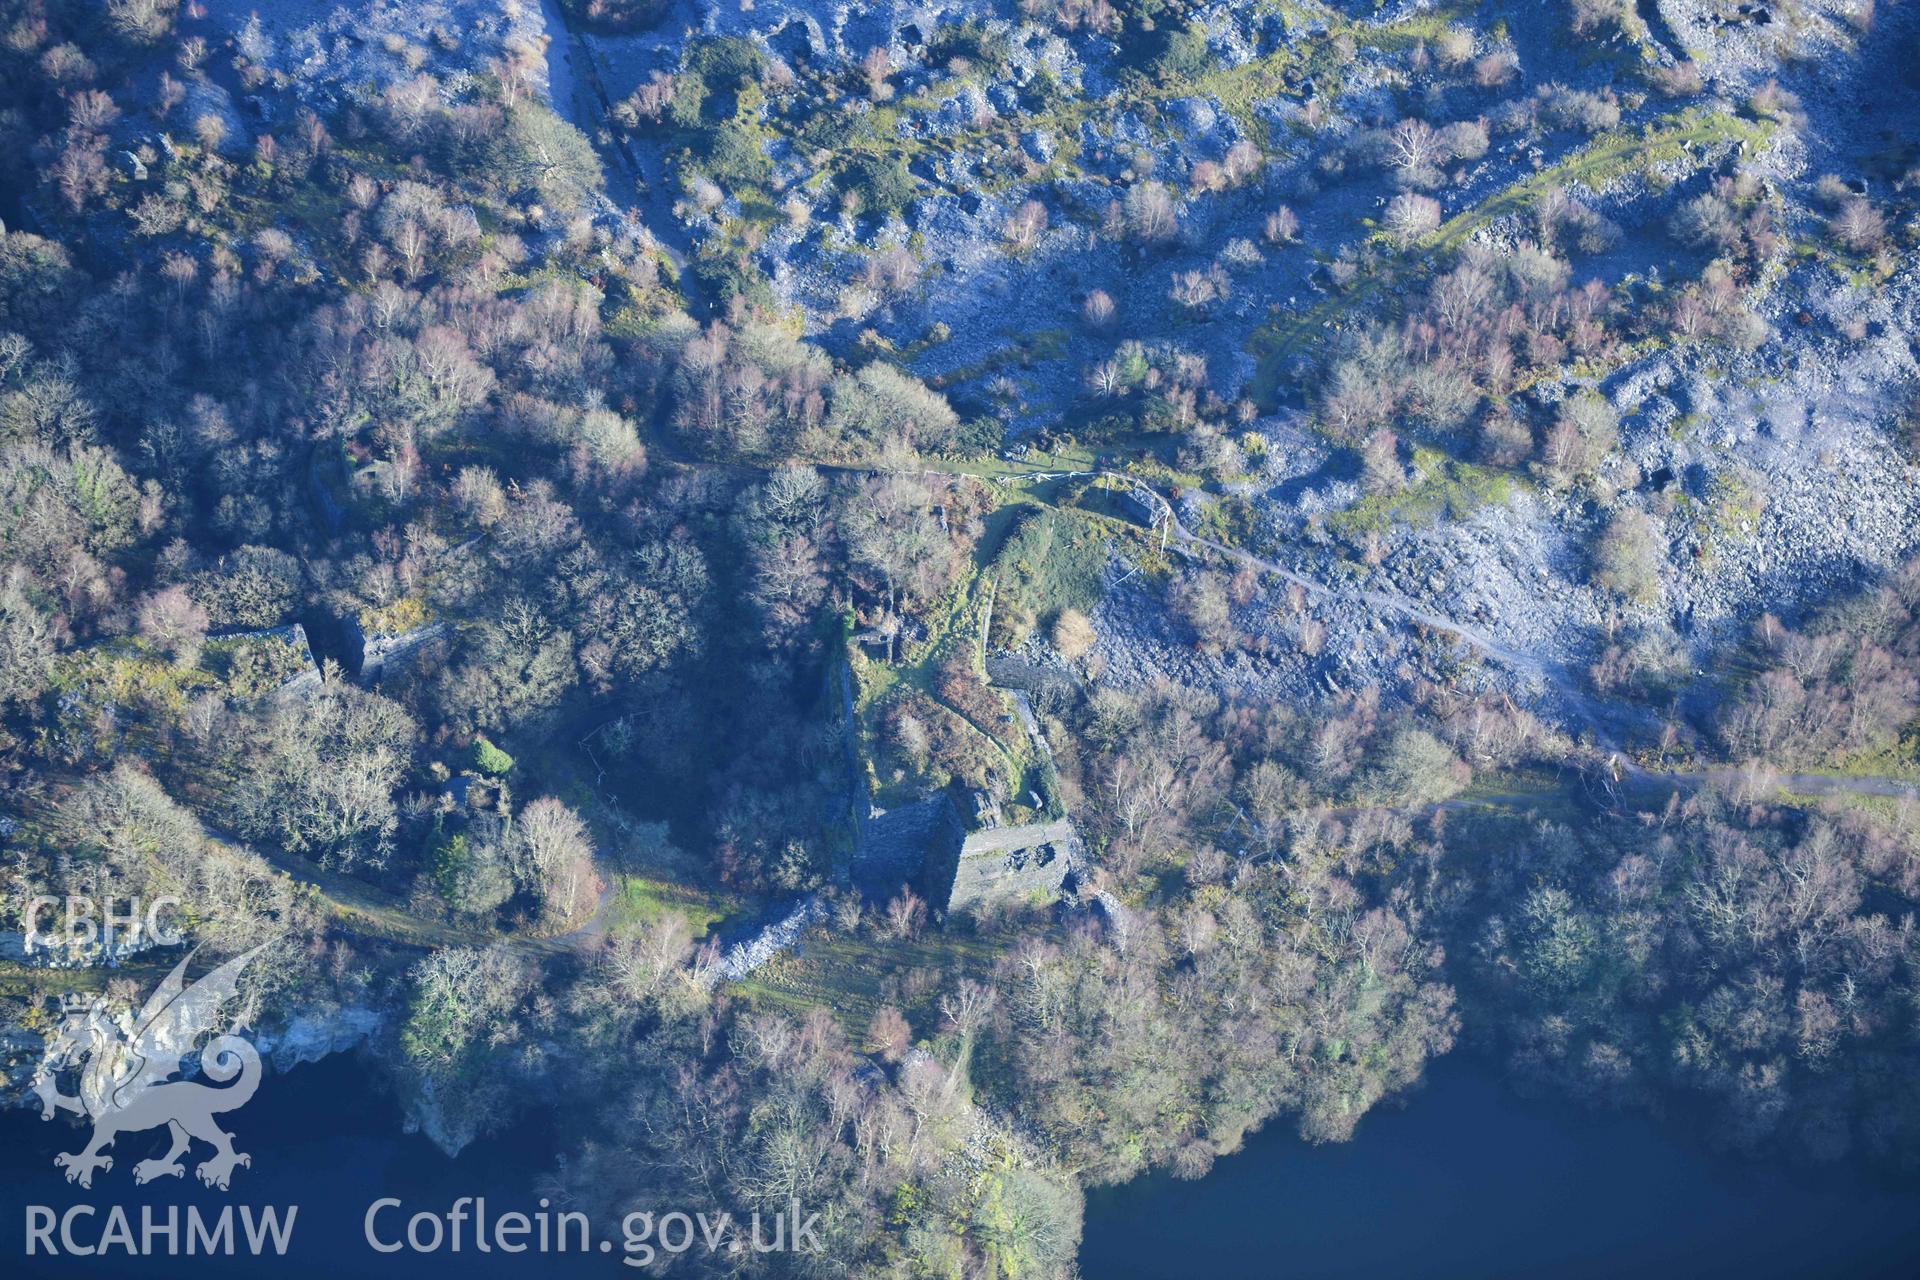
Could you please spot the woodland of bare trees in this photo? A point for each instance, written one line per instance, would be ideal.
(1749, 957)
(1840, 684)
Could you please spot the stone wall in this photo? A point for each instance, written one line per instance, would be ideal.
(308, 680)
(382, 656)
(896, 843)
(780, 934)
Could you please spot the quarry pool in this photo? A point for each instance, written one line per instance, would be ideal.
(1467, 1180)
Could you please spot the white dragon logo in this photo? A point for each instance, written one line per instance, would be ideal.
(124, 1083)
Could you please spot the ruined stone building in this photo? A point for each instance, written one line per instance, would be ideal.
(957, 861)
(1000, 864)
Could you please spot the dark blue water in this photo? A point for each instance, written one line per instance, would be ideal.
(1468, 1181)
(1471, 1180)
(321, 1139)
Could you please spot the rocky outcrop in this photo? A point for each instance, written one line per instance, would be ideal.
(309, 1037)
(130, 940)
(305, 1037)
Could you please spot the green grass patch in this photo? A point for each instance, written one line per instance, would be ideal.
(639, 900)
(1525, 791)
(1899, 760)
(852, 976)
(1051, 561)
(1230, 519)
(1446, 487)
(1887, 808)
